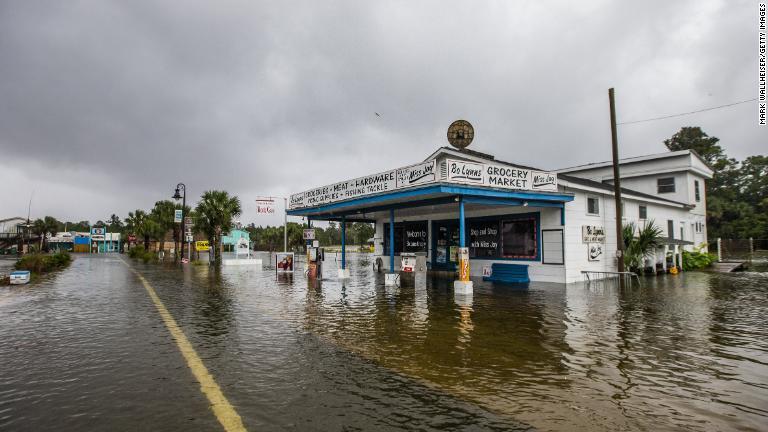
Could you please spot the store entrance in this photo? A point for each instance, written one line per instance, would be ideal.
(446, 245)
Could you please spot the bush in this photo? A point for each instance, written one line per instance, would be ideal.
(139, 252)
(41, 263)
(697, 260)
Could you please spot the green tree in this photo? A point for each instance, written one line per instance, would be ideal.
(44, 227)
(214, 215)
(163, 214)
(139, 224)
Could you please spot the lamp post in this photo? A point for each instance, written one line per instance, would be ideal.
(183, 198)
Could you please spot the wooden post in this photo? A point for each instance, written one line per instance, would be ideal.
(616, 183)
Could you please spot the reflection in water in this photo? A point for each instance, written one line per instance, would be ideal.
(682, 352)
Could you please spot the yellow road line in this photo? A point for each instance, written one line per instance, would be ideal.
(223, 410)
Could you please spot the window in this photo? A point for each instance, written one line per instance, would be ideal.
(518, 238)
(552, 250)
(696, 190)
(643, 212)
(666, 185)
(409, 237)
(593, 205)
(682, 231)
(671, 229)
(483, 238)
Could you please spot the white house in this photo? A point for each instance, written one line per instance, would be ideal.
(466, 211)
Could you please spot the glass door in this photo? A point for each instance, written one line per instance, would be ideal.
(446, 245)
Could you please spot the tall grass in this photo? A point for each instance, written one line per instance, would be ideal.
(43, 263)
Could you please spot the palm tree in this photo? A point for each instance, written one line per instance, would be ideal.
(137, 223)
(639, 243)
(43, 227)
(214, 214)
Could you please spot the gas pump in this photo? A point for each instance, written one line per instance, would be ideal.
(315, 258)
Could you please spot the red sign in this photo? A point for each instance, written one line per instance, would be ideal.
(131, 238)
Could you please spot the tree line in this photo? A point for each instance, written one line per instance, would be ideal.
(213, 216)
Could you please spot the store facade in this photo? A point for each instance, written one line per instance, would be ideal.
(466, 211)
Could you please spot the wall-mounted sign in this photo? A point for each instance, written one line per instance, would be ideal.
(595, 251)
(178, 214)
(593, 234)
(486, 271)
(500, 176)
(416, 174)
(457, 171)
(98, 231)
(309, 234)
(265, 206)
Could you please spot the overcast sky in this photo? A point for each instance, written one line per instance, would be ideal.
(105, 106)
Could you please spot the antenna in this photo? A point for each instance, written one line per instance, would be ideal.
(29, 207)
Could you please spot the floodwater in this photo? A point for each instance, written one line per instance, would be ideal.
(85, 349)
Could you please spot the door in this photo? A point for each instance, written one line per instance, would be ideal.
(445, 245)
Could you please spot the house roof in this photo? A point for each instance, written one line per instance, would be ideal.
(636, 159)
(13, 218)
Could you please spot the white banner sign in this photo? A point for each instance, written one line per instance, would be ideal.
(593, 234)
(177, 215)
(500, 176)
(463, 172)
(388, 181)
(265, 206)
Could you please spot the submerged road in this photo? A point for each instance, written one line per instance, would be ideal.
(112, 344)
(87, 349)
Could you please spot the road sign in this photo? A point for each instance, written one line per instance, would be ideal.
(202, 246)
(309, 234)
(188, 221)
(188, 238)
(177, 215)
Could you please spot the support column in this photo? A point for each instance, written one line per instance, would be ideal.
(664, 261)
(719, 249)
(463, 285)
(391, 277)
(343, 271)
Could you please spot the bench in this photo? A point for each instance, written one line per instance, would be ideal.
(508, 273)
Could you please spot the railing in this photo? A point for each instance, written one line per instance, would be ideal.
(591, 276)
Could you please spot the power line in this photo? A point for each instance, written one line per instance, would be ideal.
(688, 113)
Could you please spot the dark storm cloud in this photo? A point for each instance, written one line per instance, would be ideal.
(124, 99)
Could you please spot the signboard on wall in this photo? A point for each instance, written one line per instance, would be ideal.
(457, 171)
(500, 176)
(595, 251)
(593, 234)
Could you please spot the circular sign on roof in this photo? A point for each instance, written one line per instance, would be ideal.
(460, 134)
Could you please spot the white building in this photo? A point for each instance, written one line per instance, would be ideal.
(552, 225)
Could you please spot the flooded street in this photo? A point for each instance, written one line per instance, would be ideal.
(86, 349)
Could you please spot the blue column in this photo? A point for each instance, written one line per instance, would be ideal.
(461, 222)
(562, 214)
(343, 242)
(391, 240)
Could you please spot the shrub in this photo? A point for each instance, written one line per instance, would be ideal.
(41, 263)
(697, 260)
(139, 252)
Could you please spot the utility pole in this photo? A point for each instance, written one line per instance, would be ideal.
(616, 185)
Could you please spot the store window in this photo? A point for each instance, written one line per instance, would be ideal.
(519, 238)
(665, 185)
(483, 238)
(409, 237)
(593, 205)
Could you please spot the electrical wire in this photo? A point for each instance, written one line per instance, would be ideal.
(687, 113)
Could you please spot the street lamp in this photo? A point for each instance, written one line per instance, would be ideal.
(183, 198)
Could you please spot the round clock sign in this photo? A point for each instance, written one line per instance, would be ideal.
(460, 134)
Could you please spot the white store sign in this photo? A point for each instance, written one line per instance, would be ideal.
(460, 172)
(593, 234)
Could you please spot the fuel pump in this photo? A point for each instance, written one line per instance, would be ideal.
(315, 258)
